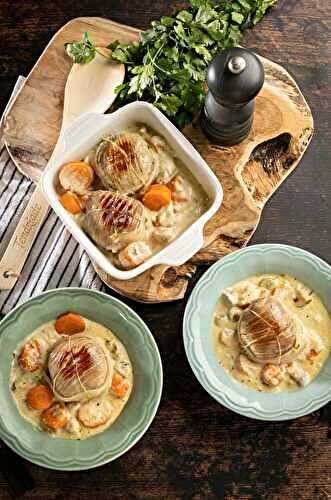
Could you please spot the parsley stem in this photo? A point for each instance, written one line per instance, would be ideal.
(161, 69)
(100, 53)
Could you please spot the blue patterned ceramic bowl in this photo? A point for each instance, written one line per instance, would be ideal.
(140, 410)
(256, 259)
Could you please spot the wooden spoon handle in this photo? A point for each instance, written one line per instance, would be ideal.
(18, 249)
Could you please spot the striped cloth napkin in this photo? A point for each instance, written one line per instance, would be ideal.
(55, 260)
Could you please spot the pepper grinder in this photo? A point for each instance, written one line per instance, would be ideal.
(234, 78)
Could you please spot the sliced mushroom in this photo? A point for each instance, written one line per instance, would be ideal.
(166, 216)
(228, 337)
(181, 190)
(277, 286)
(314, 346)
(73, 426)
(243, 295)
(244, 365)
(167, 165)
(234, 314)
(163, 234)
(298, 374)
(231, 295)
(303, 295)
(269, 283)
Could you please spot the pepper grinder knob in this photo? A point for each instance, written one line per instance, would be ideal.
(237, 64)
(234, 78)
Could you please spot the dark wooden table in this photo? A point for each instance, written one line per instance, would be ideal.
(195, 448)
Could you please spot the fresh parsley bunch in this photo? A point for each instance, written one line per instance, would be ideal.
(81, 52)
(168, 66)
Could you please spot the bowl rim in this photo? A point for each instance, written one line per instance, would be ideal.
(191, 240)
(13, 443)
(189, 337)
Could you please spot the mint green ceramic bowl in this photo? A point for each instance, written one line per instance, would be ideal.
(136, 417)
(256, 259)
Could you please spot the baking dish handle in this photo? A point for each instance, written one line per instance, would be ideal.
(184, 248)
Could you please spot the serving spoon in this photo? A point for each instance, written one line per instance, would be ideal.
(89, 88)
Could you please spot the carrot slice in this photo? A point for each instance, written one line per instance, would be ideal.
(40, 397)
(76, 176)
(118, 385)
(69, 324)
(56, 416)
(117, 380)
(122, 390)
(70, 202)
(157, 196)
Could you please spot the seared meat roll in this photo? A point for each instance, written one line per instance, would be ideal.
(268, 333)
(114, 220)
(80, 368)
(126, 163)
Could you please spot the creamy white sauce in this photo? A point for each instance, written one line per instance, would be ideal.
(21, 381)
(303, 304)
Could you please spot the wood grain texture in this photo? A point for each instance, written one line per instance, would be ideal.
(33, 124)
(195, 449)
(249, 172)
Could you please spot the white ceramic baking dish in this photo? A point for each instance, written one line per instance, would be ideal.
(84, 134)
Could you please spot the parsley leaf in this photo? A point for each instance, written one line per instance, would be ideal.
(169, 104)
(237, 17)
(81, 52)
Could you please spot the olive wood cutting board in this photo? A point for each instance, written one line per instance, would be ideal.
(249, 172)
